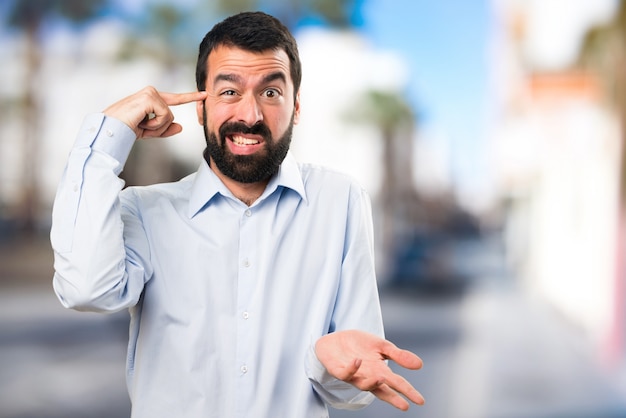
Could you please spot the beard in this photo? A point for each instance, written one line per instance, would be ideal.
(247, 168)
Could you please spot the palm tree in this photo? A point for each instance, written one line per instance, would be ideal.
(395, 118)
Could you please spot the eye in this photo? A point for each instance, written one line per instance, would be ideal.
(228, 93)
(271, 93)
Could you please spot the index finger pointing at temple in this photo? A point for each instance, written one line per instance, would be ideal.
(173, 99)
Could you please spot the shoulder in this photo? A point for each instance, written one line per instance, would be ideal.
(321, 181)
(317, 173)
(147, 195)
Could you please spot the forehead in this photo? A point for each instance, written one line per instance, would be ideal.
(232, 60)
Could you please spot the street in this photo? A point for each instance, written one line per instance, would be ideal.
(58, 363)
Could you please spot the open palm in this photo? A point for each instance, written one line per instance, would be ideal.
(359, 358)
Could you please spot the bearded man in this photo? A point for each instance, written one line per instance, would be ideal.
(250, 283)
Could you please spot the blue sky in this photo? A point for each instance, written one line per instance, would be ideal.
(445, 45)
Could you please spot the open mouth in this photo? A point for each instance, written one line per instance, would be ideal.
(243, 141)
(244, 144)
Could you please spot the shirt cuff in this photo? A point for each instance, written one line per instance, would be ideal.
(336, 393)
(107, 135)
(316, 369)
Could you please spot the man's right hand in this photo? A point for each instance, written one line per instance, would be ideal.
(148, 113)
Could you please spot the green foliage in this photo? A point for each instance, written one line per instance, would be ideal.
(604, 52)
(164, 32)
(230, 7)
(386, 109)
(24, 14)
(335, 13)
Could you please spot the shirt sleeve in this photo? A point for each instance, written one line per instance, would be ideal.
(336, 393)
(357, 305)
(87, 235)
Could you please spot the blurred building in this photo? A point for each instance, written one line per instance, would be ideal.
(557, 150)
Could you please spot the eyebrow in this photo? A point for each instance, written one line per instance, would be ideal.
(278, 75)
(234, 78)
(227, 77)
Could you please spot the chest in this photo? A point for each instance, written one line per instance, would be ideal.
(230, 258)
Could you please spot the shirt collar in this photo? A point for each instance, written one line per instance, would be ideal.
(207, 185)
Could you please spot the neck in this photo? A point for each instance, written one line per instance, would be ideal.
(248, 193)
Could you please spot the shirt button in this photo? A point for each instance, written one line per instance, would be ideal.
(245, 315)
(244, 369)
(246, 263)
(248, 212)
(109, 133)
(75, 188)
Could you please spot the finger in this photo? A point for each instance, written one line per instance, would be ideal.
(404, 358)
(174, 99)
(347, 373)
(367, 385)
(159, 122)
(386, 394)
(154, 122)
(158, 131)
(173, 129)
(400, 385)
(148, 118)
(408, 360)
(164, 132)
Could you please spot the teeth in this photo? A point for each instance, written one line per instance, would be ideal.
(240, 140)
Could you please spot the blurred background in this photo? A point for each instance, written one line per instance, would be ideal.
(489, 134)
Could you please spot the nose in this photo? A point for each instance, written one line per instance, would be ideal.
(249, 111)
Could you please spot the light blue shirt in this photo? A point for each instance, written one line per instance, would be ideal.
(226, 301)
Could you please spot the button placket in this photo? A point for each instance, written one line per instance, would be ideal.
(246, 285)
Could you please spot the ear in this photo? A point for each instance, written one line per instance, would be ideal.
(296, 110)
(200, 112)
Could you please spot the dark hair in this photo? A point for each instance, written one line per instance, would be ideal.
(250, 31)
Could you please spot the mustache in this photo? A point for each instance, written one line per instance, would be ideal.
(259, 128)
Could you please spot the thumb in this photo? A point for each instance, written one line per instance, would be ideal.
(171, 130)
(346, 373)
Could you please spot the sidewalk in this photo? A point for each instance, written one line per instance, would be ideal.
(57, 363)
(54, 362)
(520, 359)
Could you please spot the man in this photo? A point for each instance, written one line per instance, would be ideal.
(250, 283)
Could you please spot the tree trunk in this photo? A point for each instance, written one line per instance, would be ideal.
(28, 200)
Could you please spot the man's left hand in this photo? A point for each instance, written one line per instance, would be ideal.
(358, 358)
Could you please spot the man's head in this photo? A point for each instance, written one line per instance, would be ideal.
(249, 66)
(254, 32)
